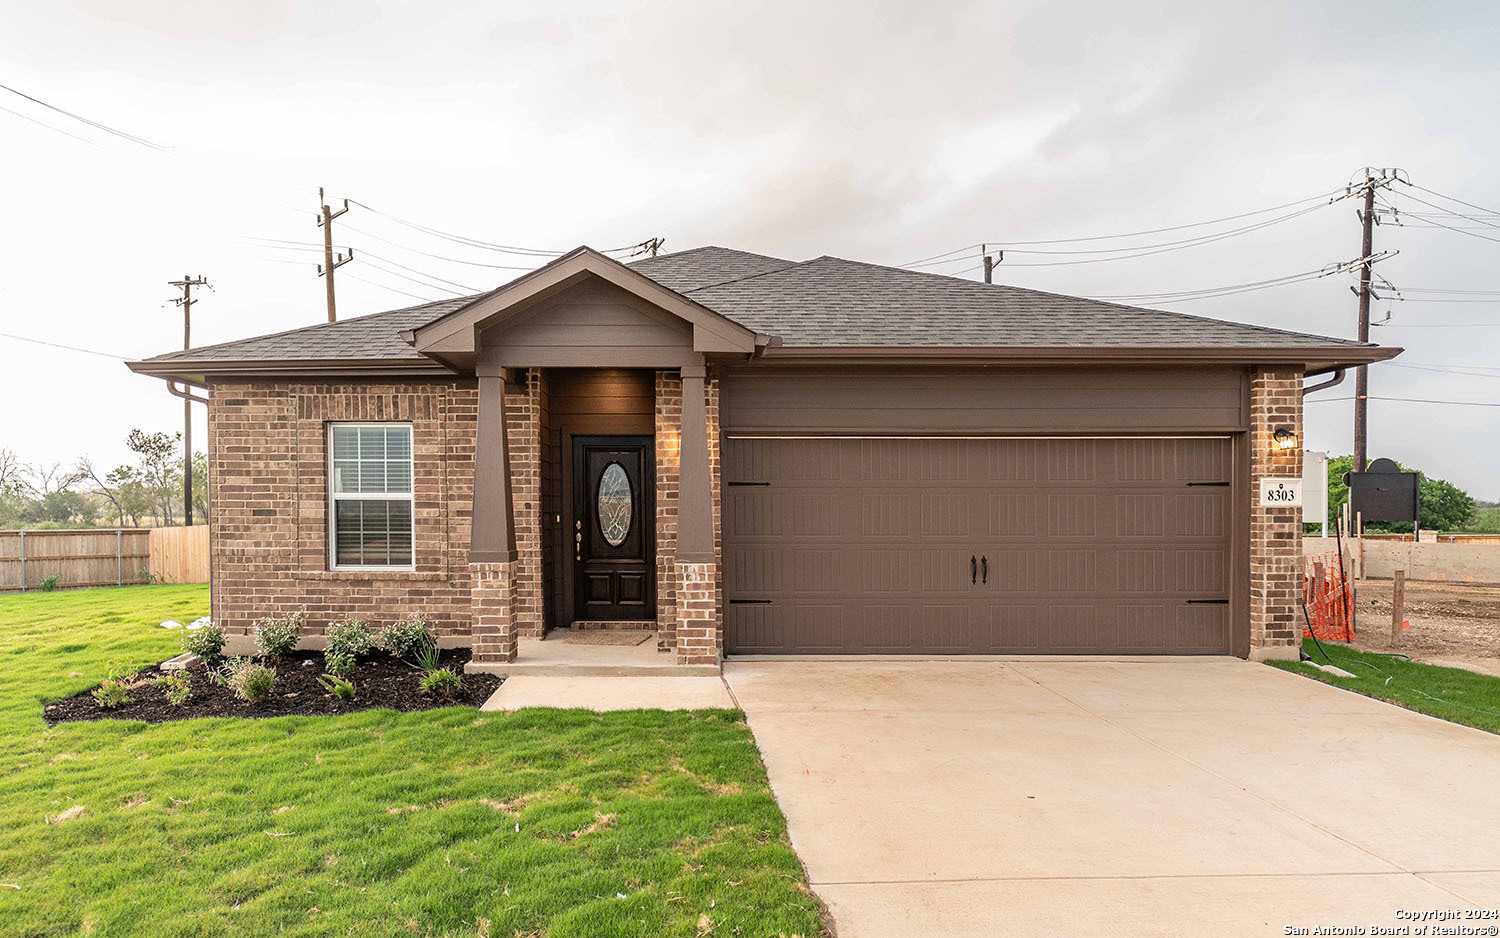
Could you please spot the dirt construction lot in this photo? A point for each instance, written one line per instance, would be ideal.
(1455, 624)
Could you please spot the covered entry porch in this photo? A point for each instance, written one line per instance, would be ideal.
(595, 463)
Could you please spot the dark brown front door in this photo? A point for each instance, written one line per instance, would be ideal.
(613, 528)
(989, 546)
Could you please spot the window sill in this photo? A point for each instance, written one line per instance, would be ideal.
(392, 575)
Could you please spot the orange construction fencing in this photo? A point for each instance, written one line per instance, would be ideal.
(1329, 597)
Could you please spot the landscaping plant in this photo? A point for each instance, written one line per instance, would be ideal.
(437, 681)
(337, 686)
(338, 665)
(114, 690)
(176, 686)
(407, 638)
(277, 636)
(253, 682)
(48, 584)
(350, 637)
(207, 643)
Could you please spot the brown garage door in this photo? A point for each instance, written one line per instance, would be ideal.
(989, 546)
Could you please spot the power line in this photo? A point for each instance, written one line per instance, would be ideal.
(70, 348)
(374, 283)
(28, 117)
(1331, 197)
(1406, 400)
(441, 257)
(460, 239)
(92, 123)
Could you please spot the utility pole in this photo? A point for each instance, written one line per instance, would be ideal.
(1374, 179)
(654, 245)
(330, 263)
(1362, 373)
(989, 262)
(186, 302)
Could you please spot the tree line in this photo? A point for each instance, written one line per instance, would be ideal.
(83, 495)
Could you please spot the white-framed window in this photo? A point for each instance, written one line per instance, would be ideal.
(370, 496)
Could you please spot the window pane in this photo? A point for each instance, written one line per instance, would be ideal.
(370, 533)
(371, 460)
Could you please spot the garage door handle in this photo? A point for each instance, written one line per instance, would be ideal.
(973, 569)
(984, 563)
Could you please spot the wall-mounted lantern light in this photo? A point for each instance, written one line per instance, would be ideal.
(1284, 438)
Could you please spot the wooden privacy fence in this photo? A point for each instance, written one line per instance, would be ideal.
(102, 556)
(180, 555)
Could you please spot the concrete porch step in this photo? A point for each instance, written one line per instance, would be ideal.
(594, 669)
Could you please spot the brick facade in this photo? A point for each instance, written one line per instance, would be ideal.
(668, 455)
(268, 459)
(495, 627)
(523, 437)
(268, 511)
(1275, 533)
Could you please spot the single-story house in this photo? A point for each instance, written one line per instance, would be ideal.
(757, 456)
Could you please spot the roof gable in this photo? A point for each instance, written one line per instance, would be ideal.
(454, 337)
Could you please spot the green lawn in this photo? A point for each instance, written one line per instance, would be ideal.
(444, 822)
(1449, 693)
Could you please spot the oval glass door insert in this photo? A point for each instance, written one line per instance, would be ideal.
(614, 504)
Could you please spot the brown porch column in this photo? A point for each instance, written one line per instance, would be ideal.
(492, 538)
(697, 572)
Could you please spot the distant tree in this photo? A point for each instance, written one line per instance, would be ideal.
(200, 486)
(64, 507)
(1445, 506)
(157, 472)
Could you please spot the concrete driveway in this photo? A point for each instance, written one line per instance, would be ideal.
(1090, 797)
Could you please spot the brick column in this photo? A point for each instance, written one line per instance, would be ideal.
(698, 633)
(493, 597)
(668, 451)
(1275, 533)
(697, 614)
(523, 433)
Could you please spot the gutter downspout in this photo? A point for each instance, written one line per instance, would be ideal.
(179, 391)
(1338, 378)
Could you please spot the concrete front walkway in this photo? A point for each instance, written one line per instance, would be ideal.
(1193, 797)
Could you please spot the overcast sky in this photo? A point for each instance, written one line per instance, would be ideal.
(880, 131)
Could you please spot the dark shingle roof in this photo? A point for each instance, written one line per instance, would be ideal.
(373, 337)
(702, 267)
(823, 303)
(832, 302)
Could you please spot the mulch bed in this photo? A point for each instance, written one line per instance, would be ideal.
(379, 681)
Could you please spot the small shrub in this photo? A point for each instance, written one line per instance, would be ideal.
(406, 638)
(277, 636)
(47, 584)
(223, 674)
(114, 690)
(338, 665)
(442, 683)
(176, 686)
(148, 578)
(350, 637)
(337, 686)
(207, 643)
(253, 682)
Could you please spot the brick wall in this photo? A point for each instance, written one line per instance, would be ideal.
(523, 437)
(268, 509)
(668, 455)
(1275, 533)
